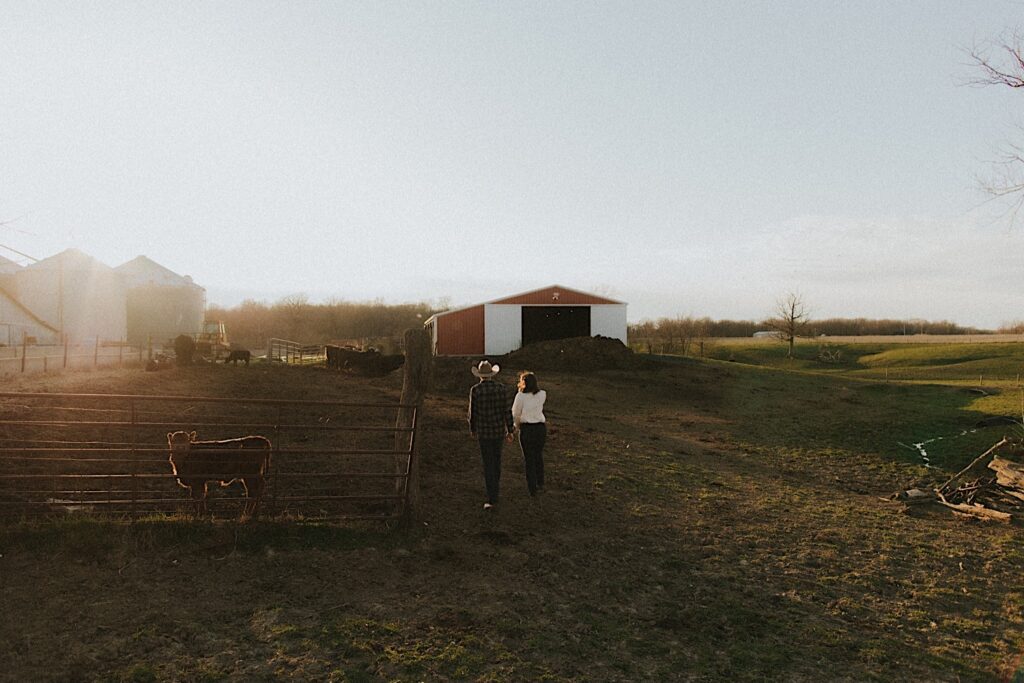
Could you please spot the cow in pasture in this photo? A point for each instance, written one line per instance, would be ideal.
(196, 463)
(341, 357)
(238, 355)
(369, 362)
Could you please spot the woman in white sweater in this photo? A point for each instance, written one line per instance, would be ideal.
(528, 415)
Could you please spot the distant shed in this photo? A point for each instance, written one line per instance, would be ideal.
(504, 325)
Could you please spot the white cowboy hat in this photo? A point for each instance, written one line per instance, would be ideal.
(485, 369)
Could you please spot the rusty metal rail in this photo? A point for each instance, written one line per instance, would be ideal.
(329, 459)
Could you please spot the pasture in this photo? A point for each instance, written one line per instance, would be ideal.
(704, 521)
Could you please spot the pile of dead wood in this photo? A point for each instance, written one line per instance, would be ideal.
(991, 487)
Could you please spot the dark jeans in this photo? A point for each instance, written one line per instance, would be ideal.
(531, 439)
(490, 451)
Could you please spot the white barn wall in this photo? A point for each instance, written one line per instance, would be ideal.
(503, 328)
(608, 320)
(94, 302)
(15, 323)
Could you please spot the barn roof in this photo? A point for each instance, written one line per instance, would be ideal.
(143, 270)
(526, 297)
(71, 259)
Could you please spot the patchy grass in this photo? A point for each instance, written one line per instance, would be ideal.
(704, 521)
(878, 397)
(929, 362)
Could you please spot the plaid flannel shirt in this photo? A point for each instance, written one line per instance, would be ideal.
(490, 411)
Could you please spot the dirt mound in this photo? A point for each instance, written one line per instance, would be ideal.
(452, 375)
(577, 353)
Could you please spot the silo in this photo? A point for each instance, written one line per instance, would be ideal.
(77, 295)
(161, 304)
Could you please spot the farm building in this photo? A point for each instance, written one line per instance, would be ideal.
(506, 324)
(74, 294)
(160, 303)
(18, 324)
(7, 270)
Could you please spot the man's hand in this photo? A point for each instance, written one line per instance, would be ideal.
(510, 437)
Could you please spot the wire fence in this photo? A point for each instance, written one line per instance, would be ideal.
(27, 359)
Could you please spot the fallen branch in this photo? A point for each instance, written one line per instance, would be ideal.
(979, 511)
(945, 487)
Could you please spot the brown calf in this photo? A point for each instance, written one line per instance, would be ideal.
(196, 463)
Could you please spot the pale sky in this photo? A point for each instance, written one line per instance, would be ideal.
(689, 158)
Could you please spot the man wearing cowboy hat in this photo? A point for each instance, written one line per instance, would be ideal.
(490, 421)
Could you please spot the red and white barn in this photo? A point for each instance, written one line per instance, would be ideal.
(504, 325)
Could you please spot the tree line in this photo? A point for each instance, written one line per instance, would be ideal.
(680, 334)
(1015, 327)
(252, 323)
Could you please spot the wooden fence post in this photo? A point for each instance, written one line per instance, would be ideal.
(415, 381)
(24, 348)
(96, 353)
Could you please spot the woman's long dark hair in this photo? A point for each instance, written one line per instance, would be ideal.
(529, 381)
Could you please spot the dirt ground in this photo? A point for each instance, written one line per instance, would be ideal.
(666, 548)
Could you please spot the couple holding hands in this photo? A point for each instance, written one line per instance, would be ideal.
(493, 422)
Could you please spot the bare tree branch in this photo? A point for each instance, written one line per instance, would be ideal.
(1001, 63)
(1006, 68)
(9, 222)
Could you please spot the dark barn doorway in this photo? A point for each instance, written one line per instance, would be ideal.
(541, 323)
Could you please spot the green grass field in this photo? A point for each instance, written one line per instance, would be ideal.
(878, 396)
(992, 362)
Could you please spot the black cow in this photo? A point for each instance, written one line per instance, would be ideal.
(342, 357)
(238, 355)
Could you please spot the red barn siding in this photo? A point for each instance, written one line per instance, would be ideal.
(461, 333)
(546, 297)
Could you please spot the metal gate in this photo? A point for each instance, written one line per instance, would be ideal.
(103, 454)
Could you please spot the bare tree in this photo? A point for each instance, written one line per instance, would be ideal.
(790, 319)
(1001, 63)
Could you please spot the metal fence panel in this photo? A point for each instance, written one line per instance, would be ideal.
(108, 454)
